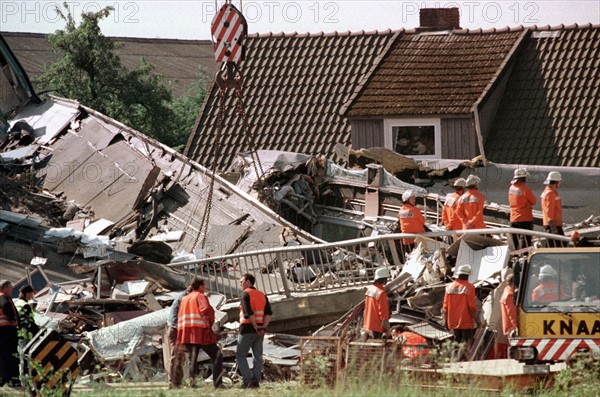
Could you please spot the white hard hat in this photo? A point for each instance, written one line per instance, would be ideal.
(547, 271)
(521, 173)
(463, 269)
(381, 272)
(460, 182)
(553, 176)
(408, 194)
(473, 180)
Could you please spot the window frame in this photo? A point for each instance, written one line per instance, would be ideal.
(388, 125)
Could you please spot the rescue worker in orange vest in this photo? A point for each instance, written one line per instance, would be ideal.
(552, 207)
(449, 218)
(521, 200)
(377, 306)
(413, 345)
(460, 312)
(194, 321)
(410, 219)
(9, 342)
(470, 205)
(548, 290)
(509, 314)
(255, 315)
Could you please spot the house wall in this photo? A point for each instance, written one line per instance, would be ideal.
(459, 138)
(367, 133)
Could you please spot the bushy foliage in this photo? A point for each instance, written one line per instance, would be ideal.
(89, 70)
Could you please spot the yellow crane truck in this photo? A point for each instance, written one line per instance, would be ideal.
(558, 306)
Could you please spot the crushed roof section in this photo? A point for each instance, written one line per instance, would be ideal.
(179, 61)
(434, 73)
(549, 114)
(294, 87)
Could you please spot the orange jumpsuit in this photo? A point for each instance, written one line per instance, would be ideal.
(460, 305)
(377, 308)
(411, 221)
(509, 310)
(449, 218)
(470, 209)
(521, 200)
(551, 206)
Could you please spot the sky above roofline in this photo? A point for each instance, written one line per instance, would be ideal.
(177, 19)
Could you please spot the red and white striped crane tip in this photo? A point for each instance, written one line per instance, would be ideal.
(228, 29)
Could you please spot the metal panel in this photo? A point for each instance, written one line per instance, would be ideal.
(367, 133)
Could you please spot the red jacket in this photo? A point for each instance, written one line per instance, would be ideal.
(470, 209)
(551, 206)
(521, 200)
(377, 308)
(460, 305)
(411, 221)
(194, 320)
(449, 218)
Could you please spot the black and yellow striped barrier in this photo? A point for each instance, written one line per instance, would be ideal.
(52, 362)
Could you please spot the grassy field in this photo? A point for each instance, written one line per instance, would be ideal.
(581, 381)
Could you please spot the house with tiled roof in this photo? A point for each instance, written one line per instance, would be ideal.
(178, 61)
(514, 95)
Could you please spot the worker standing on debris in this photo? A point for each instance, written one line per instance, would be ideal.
(27, 326)
(255, 315)
(548, 290)
(9, 323)
(552, 207)
(175, 352)
(194, 332)
(470, 205)
(410, 219)
(449, 218)
(521, 200)
(459, 312)
(377, 306)
(509, 312)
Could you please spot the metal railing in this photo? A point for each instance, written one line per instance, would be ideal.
(300, 269)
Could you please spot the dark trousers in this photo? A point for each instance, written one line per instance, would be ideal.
(10, 355)
(213, 351)
(464, 336)
(521, 241)
(559, 231)
(176, 358)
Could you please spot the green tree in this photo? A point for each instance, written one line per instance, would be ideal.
(186, 110)
(89, 69)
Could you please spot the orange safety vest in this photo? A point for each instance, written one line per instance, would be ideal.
(521, 200)
(470, 209)
(191, 312)
(377, 308)
(548, 291)
(460, 304)
(449, 218)
(411, 221)
(4, 321)
(258, 302)
(551, 206)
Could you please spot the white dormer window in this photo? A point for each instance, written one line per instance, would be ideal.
(416, 138)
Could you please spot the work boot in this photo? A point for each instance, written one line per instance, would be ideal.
(253, 384)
